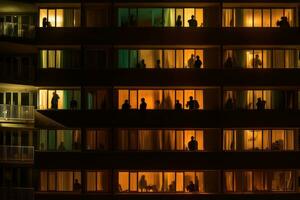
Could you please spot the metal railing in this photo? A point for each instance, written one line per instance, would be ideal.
(16, 112)
(16, 153)
(16, 193)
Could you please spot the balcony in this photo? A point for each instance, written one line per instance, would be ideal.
(16, 113)
(171, 118)
(176, 77)
(154, 35)
(16, 31)
(16, 193)
(16, 154)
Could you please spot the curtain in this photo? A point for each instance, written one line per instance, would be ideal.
(169, 17)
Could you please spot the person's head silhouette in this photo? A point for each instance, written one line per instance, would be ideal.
(191, 98)
(256, 56)
(179, 17)
(126, 101)
(192, 17)
(197, 57)
(192, 138)
(143, 100)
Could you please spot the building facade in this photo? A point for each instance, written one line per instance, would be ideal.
(103, 99)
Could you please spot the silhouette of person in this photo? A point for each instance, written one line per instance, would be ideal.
(54, 100)
(172, 187)
(193, 144)
(143, 105)
(178, 105)
(178, 22)
(143, 183)
(157, 64)
(260, 104)
(229, 104)
(73, 104)
(191, 61)
(126, 105)
(61, 146)
(228, 63)
(190, 187)
(283, 23)
(143, 65)
(256, 61)
(192, 22)
(45, 22)
(198, 62)
(192, 104)
(76, 186)
(196, 184)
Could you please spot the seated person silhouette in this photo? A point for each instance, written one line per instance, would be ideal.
(143, 105)
(76, 186)
(73, 104)
(193, 144)
(283, 23)
(143, 184)
(61, 146)
(192, 22)
(192, 104)
(157, 66)
(190, 187)
(229, 104)
(172, 187)
(178, 105)
(141, 65)
(126, 105)
(198, 62)
(178, 22)
(228, 63)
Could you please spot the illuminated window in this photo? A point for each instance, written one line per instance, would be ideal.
(63, 17)
(59, 99)
(159, 140)
(97, 139)
(256, 17)
(97, 181)
(251, 140)
(60, 181)
(159, 99)
(159, 58)
(167, 181)
(59, 140)
(59, 59)
(158, 17)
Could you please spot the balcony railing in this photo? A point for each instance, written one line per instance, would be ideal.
(16, 193)
(16, 112)
(16, 153)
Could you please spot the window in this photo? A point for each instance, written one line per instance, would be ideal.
(159, 99)
(158, 17)
(256, 17)
(166, 181)
(259, 181)
(97, 139)
(160, 58)
(59, 140)
(261, 58)
(158, 140)
(97, 181)
(60, 181)
(59, 58)
(59, 99)
(98, 99)
(60, 17)
(252, 140)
